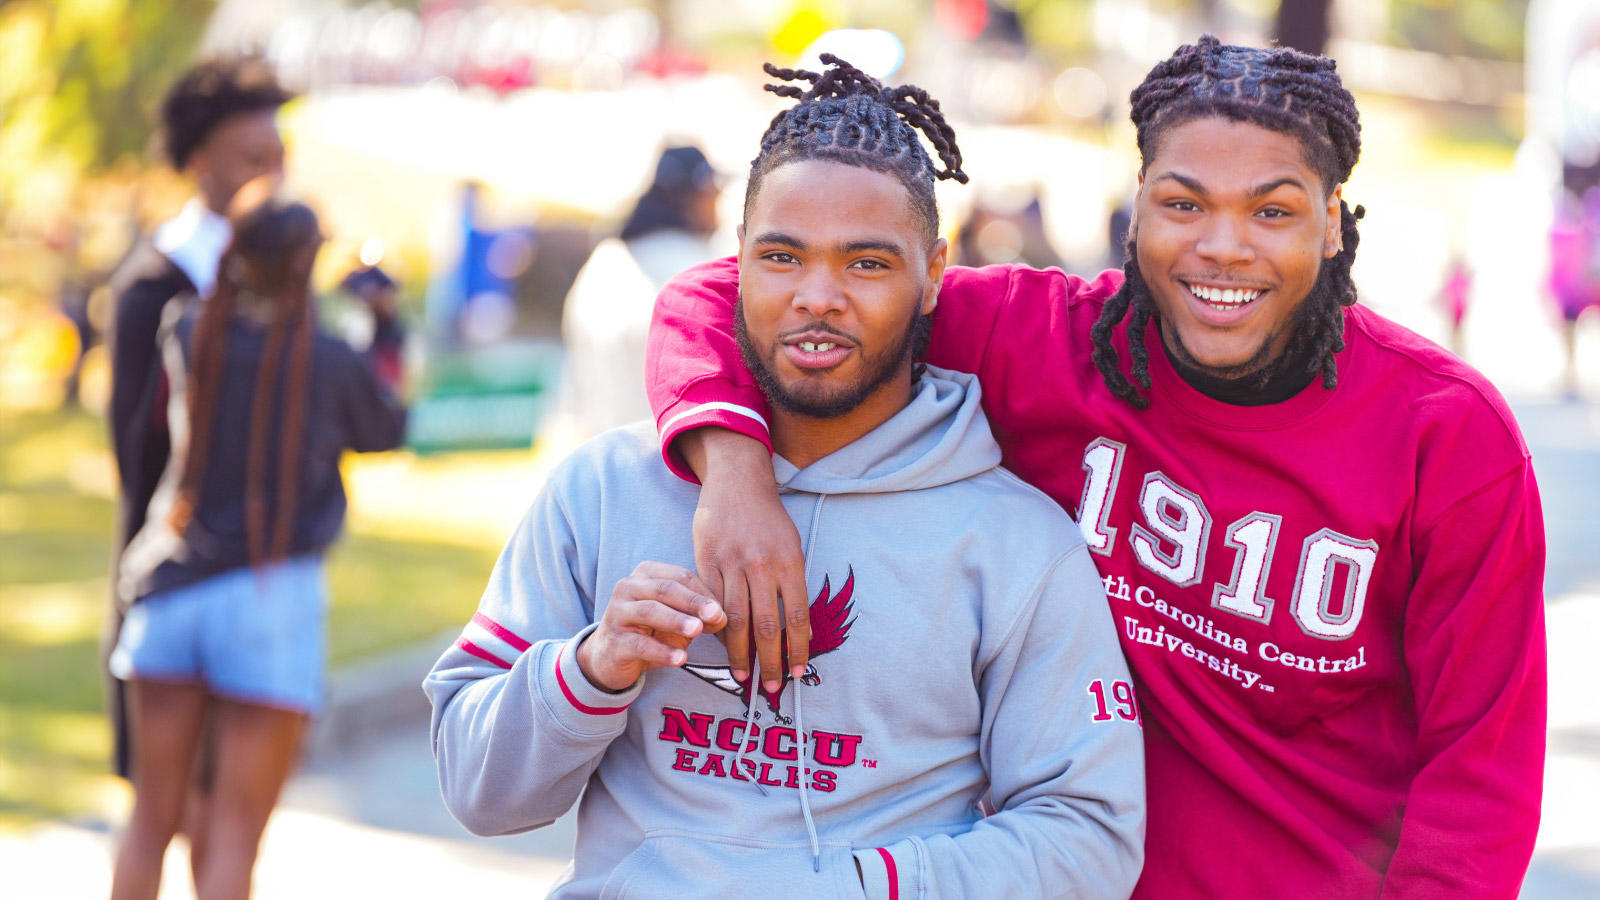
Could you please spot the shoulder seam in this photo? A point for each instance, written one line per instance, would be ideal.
(1033, 595)
(1424, 531)
(1510, 426)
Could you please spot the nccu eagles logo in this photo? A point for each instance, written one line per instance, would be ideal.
(830, 625)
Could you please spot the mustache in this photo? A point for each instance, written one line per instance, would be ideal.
(819, 325)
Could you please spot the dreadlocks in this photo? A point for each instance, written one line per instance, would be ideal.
(1282, 90)
(270, 261)
(849, 117)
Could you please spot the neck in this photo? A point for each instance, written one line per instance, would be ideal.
(803, 439)
(1275, 382)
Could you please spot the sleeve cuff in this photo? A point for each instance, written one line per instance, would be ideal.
(578, 697)
(696, 411)
(883, 877)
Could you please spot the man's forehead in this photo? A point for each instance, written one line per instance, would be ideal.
(1218, 153)
(253, 126)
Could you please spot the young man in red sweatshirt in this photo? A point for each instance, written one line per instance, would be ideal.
(1319, 533)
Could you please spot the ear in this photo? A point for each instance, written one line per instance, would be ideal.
(1133, 207)
(739, 233)
(937, 257)
(1333, 234)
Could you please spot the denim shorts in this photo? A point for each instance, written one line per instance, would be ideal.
(256, 635)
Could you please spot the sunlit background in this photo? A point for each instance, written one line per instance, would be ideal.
(478, 152)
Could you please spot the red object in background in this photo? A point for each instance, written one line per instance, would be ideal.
(965, 19)
(503, 79)
(666, 62)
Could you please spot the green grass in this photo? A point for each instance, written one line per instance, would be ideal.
(56, 518)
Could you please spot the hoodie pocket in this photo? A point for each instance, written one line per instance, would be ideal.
(670, 864)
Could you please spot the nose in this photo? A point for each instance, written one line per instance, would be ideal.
(1225, 242)
(819, 292)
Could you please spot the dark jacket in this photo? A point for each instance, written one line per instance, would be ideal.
(141, 288)
(139, 441)
(349, 408)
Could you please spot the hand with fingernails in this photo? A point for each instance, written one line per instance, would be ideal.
(653, 615)
(747, 548)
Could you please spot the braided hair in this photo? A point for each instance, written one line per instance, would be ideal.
(270, 260)
(1281, 90)
(847, 116)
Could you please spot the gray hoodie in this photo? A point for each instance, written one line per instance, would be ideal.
(961, 645)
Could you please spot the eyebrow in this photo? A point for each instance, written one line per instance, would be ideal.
(860, 246)
(888, 247)
(778, 237)
(1260, 190)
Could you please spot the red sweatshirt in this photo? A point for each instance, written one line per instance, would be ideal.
(1332, 606)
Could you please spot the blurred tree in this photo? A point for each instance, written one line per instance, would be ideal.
(1491, 29)
(1060, 29)
(80, 80)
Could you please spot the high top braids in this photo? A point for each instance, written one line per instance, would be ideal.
(1282, 90)
(849, 117)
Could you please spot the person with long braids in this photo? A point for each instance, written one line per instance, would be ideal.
(227, 619)
(1319, 534)
(949, 665)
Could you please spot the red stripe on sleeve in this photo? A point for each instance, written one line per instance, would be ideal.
(894, 874)
(500, 631)
(577, 704)
(481, 653)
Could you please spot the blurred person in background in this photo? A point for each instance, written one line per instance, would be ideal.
(1320, 534)
(1004, 234)
(219, 128)
(1574, 281)
(227, 616)
(606, 318)
(1455, 295)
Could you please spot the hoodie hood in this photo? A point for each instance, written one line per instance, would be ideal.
(940, 437)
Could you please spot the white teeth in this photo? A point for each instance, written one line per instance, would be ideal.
(1223, 298)
(811, 347)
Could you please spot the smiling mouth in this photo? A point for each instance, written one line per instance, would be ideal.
(1223, 299)
(816, 346)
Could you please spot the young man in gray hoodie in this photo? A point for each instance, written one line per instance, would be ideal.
(959, 639)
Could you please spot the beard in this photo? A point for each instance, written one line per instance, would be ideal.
(1262, 368)
(814, 395)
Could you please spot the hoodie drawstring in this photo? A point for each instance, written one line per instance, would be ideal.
(799, 718)
(805, 779)
(749, 719)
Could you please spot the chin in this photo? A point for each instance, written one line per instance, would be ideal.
(1229, 361)
(818, 404)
